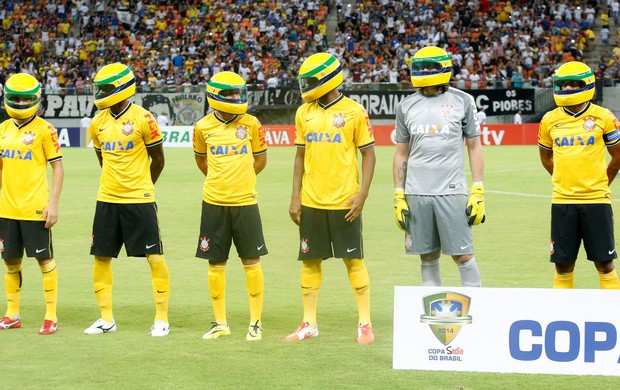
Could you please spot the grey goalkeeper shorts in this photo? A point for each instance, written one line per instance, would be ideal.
(438, 223)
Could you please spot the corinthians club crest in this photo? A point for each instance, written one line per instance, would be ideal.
(127, 128)
(445, 313)
(241, 132)
(28, 138)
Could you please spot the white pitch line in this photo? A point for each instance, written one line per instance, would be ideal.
(529, 195)
(511, 170)
(519, 194)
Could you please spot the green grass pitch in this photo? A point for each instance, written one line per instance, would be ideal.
(511, 250)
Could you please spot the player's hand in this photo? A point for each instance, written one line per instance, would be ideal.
(50, 215)
(475, 205)
(357, 205)
(294, 211)
(401, 210)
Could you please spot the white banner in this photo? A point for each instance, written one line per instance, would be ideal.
(177, 136)
(538, 331)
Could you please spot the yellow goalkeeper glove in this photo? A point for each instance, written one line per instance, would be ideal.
(475, 205)
(401, 210)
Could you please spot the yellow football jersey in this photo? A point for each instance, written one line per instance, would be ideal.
(331, 136)
(122, 140)
(25, 152)
(230, 147)
(579, 144)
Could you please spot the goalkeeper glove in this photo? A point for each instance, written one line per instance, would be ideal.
(475, 205)
(401, 210)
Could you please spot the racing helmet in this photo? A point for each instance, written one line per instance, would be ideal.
(227, 92)
(113, 83)
(22, 95)
(319, 74)
(579, 77)
(430, 66)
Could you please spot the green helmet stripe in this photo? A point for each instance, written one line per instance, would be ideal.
(115, 77)
(578, 76)
(329, 62)
(33, 91)
(434, 58)
(215, 84)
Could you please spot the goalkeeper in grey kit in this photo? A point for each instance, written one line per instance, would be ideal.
(430, 190)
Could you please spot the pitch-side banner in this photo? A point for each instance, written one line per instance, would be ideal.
(535, 331)
(382, 104)
(284, 135)
(182, 109)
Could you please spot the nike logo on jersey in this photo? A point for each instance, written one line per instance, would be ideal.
(558, 125)
(97, 291)
(40, 250)
(102, 128)
(160, 291)
(309, 119)
(611, 252)
(50, 290)
(260, 247)
(466, 246)
(349, 250)
(150, 246)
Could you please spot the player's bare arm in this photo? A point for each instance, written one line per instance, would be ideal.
(260, 162)
(546, 158)
(50, 214)
(476, 161)
(156, 153)
(614, 164)
(202, 162)
(99, 157)
(298, 172)
(400, 164)
(368, 170)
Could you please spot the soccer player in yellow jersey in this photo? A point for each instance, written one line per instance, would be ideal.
(327, 200)
(129, 146)
(230, 150)
(27, 212)
(572, 140)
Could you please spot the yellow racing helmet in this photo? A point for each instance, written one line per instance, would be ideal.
(319, 74)
(579, 77)
(430, 66)
(227, 92)
(22, 95)
(113, 84)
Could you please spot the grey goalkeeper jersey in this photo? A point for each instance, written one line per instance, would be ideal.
(435, 128)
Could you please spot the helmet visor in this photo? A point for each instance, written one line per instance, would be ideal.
(20, 101)
(573, 84)
(308, 84)
(102, 91)
(234, 95)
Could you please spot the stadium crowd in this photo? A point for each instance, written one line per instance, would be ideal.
(180, 44)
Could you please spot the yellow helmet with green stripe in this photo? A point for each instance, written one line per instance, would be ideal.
(227, 92)
(573, 84)
(22, 95)
(113, 84)
(319, 74)
(430, 66)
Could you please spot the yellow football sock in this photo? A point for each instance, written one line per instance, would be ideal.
(360, 282)
(564, 280)
(161, 285)
(311, 278)
(217, 288)
(50, 288)
(13, 288)
(102, 278)
(255, 283)
(609, 280)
